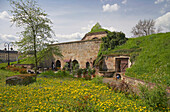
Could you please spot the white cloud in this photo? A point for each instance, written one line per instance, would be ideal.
(4, 15)
(124, 1)
(165, 7)
(110, 8)
(72, 37)
(7, 38)
(110, 28)
(164, 21)
(88, 27)
(158, 1)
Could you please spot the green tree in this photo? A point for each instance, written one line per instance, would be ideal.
(113, 39)
(37, 32)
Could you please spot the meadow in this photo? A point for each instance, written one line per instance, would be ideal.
(64, 94)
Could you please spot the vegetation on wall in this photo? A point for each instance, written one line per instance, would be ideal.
(109, 42)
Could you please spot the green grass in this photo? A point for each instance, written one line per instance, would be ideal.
(151, 56)
(98, 30)
(4, 74)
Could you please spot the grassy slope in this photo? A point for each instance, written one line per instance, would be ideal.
(152, 61)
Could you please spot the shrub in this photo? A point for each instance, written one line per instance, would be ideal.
(73, 72)
(98, 80)
(84, 72)
(155, 97)
(63, 73)
(79, 72)
(15, 69)
(121, 86)
(66, 66)
(60, 73)
(22, 71)
(88, 76)
(48, 73)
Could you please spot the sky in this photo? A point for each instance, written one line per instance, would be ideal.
(72, 19)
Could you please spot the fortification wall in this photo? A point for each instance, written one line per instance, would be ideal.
(81, 51)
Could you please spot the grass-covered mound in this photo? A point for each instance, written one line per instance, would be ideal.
(98, 28)
(150, 56)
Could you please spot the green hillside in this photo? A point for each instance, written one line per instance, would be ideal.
(150, 56)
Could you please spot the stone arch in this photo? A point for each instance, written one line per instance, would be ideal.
(87, 64)
(74, 62)
(58, 64)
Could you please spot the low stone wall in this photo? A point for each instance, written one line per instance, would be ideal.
(135, 82)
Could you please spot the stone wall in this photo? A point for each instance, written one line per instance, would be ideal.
(81, 51)
(95, 35)
(109, 62)
(135, 82)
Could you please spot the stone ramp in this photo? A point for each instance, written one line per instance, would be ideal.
(108, 80)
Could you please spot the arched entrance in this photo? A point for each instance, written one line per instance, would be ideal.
(58, 65)
(75, 64)
(94, 63)
(87, 64)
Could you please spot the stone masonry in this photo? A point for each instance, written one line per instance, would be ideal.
(82, 51)
(95, 35)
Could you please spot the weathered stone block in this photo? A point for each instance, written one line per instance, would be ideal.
(23, 79)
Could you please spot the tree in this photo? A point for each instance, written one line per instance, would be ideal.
(143, 28)
(37, 30)
(112, 40)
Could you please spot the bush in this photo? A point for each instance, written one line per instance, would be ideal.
(63, 73)
(98, 80)
(120, 86)
(79, 72)
(48, 73)
(22, 71)
(60, 73)
(155, 97)
(88, 76)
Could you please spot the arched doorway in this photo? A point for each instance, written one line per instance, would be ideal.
(87, 64)
(94, 63)
(75, 64)
(58, 65)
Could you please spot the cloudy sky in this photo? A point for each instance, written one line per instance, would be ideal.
(73, 18)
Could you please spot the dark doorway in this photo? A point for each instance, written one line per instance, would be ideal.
(75, 64)
(94, 63)
(87, 64)
(58, 65)
(121, 64)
